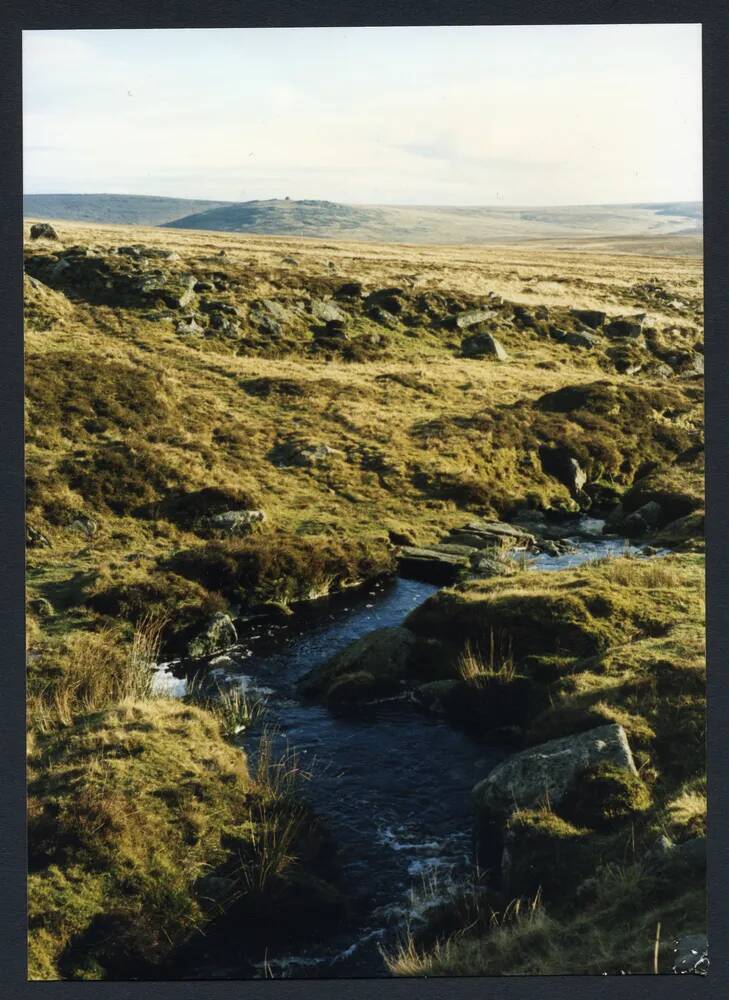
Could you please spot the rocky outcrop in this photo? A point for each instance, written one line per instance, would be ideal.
(483, 345)
(548, 772)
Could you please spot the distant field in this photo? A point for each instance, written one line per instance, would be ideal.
(678, 224)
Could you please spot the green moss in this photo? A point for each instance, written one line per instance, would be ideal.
(604, 796)
(127, 809)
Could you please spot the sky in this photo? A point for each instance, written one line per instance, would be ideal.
(521, 115)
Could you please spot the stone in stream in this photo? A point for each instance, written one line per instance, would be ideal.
(372, 666)
(218, 633)
(485, 534)
(432, 565)
(548, 772)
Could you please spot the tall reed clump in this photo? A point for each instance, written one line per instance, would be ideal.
(235, 710)
(95, 670)
(277, 817)
(476, 669)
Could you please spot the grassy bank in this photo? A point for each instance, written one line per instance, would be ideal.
(608, 878)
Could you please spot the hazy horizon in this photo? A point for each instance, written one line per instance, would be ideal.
(487, 116)
(393, 204)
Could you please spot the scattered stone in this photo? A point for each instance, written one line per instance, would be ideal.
(349, 290)
(237, 523)
(43, 231)
(387, 299)
(218, 633)
(304, 454)
(551, 770)
(188, 326)
(473, 316)
(482, 345)
(327, 312)
(558, 462)
(34, 538)
(581, 339)
(86, 526)
(629, 327)
(219, 306)
(590, 317)
(289, 260)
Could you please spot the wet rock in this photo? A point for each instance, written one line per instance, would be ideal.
(373, 666)
(486, 534)
(431, 564)
(43, 231)
(646, 518)
(472, 317)
(629, 327)
(236, 523)
(218, 633)
(436, 696)
(691, 955)
(590, 317)
(550, 770)
(483, 345)
(558, 462)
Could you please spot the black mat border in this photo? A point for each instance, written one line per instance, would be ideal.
(223, 13)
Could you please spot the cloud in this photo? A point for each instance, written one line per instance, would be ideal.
(183, 113)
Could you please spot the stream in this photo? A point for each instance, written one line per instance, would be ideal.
(392, 786)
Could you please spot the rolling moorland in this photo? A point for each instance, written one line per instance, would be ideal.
(224, 430)
(627, 224)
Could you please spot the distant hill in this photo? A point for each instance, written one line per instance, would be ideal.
(418, 224)
(115, 209)
(444, 224)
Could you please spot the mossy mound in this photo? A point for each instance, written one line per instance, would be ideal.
(279, 568)
(127, 808)
(605, 796)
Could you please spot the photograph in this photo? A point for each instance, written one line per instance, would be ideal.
(364, 502)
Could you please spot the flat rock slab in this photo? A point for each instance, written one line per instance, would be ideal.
(431, 565)
(548, 771)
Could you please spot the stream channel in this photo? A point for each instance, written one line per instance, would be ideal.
(393, 787)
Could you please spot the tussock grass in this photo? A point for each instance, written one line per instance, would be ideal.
(475, 669)
(99, 670)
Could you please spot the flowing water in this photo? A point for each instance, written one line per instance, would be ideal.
(392, 786)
